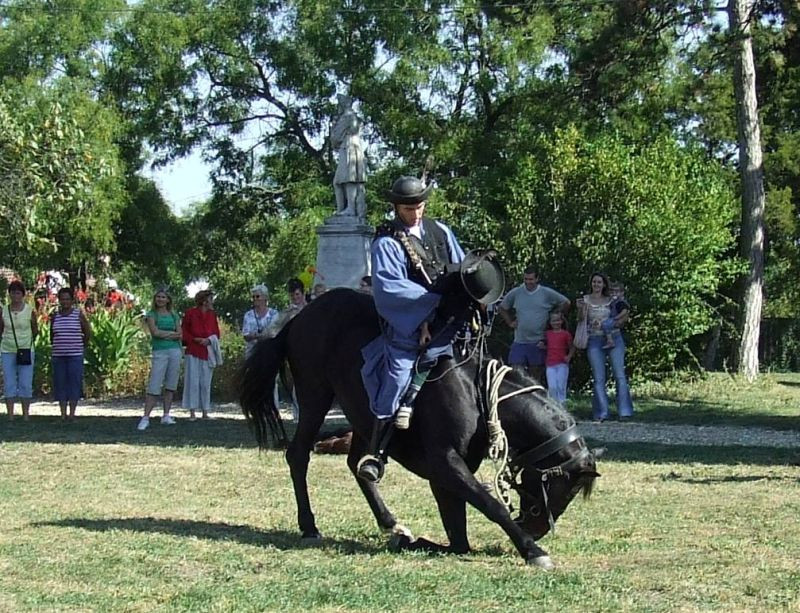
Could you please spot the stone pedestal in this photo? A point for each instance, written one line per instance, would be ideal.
(343, 251)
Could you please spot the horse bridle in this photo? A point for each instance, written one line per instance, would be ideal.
(529, 460)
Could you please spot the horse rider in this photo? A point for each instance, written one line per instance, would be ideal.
(409, 255)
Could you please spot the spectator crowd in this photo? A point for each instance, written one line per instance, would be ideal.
(537, 314)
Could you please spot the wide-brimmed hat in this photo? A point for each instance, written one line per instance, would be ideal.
(408, 190)
(482, 276)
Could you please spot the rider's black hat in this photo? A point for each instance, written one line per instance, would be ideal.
(408, 190)
(482, 276)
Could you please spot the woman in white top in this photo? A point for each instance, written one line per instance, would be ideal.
(596, 306)
(258, 319)
(18, 327)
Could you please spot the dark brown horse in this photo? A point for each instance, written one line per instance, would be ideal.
(448, 437)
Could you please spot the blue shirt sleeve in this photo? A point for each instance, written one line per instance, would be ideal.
(399, 300)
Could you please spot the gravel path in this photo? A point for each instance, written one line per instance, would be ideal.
(674, 434)
(609, 431)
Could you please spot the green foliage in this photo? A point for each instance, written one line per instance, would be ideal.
(116, 336)
(659, 218)
(60, 187)
(42, 39)
(104, 86)
(225, 385)
(42, 368)
(151, 242)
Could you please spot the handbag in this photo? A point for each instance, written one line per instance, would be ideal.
(24, 357)
(581, 339)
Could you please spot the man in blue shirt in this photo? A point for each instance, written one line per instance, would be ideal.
(409, 255)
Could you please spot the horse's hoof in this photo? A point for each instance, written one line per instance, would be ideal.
(399, 541)
(543, 562)
(399, 530)
(311, 538)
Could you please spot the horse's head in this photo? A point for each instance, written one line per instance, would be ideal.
(548, 484)
(549, 461)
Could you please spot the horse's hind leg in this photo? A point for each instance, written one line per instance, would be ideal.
(314, 406)
(383, 515)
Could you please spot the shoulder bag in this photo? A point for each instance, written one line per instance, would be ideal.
(24, 357)
(581, 339)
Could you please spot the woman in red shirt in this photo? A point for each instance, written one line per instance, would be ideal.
(200, 335)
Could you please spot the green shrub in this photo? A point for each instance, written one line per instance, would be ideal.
(117, 335)
(224, 385)
(658, 217)
(42, 371)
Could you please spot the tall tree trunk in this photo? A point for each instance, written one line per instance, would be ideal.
(752, 175)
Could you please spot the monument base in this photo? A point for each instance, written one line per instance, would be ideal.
(343, 249)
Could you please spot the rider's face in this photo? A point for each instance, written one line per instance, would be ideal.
(410, 214)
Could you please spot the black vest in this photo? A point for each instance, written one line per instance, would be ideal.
(429, 254)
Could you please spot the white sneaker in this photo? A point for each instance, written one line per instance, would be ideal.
(168, 420)
(144, 423)
(403, 417)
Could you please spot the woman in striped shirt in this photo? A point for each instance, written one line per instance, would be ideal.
(69, 335)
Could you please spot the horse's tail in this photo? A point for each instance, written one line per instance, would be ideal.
(257, 384)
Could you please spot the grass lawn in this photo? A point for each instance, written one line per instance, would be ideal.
(718, 398)
(99, 517)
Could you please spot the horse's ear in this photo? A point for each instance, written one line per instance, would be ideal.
(598, 452)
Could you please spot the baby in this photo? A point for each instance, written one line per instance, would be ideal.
(619, 312)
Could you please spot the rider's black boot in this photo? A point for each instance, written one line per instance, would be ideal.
(370, 467)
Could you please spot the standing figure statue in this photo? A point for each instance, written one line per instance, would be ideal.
(348, 182)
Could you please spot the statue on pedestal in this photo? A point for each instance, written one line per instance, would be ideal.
(348, 182)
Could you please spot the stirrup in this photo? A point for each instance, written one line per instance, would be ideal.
(370, 468)
(402, 418)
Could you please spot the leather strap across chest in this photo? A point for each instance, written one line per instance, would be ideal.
(428, 256)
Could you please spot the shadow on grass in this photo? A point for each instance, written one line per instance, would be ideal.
(673, 476)
(107, 430)
(213, 531)
(112, 430)
(700, 454)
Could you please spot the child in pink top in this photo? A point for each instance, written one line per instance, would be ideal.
(560, 350)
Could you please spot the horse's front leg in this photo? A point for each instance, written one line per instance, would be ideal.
(453, 511)
(450, 473)
(383, 515)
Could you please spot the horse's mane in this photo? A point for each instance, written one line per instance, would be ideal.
(518, 378)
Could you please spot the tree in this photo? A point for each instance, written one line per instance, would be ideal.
(60, 190)
(751, 172)
(152, 244)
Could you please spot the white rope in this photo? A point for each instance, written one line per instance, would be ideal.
(498, 442)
